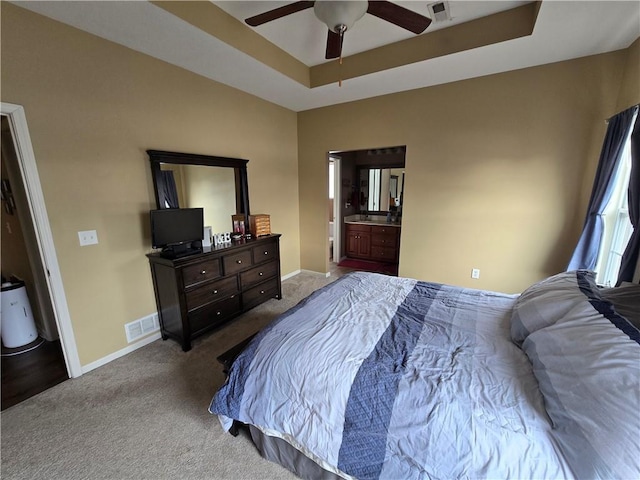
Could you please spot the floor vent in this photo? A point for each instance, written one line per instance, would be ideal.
(141, 327)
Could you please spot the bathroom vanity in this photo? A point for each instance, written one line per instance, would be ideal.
(372, 238)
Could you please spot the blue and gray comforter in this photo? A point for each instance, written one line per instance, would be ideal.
(384, 377)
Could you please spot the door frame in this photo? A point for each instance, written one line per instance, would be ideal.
(46, 249)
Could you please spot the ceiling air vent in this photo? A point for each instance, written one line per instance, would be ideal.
(439, 11)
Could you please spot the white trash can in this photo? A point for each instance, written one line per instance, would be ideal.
(17, 327)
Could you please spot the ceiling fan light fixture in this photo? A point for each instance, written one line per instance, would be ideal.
(340, 16)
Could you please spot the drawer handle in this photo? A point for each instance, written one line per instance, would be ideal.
(215, 292)
(260, 274)
(266, 253)
(261, 292)
(203, 272)
(238, 262)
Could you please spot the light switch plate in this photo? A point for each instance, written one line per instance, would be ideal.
(88, 237)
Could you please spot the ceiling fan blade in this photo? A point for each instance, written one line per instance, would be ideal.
(400, 16)
(278, 13)
(334, 45)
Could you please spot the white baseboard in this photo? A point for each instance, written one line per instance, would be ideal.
(313, 272)
(289, 275)
(121, 353)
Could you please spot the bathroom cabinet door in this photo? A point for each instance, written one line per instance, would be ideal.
(358, 241)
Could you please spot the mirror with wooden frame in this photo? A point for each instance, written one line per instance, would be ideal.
(217, 184)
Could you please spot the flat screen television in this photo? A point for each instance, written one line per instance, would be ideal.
(178, 231)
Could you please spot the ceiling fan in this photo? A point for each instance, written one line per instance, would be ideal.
(340, 16)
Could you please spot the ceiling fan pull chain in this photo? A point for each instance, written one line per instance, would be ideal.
(342, 30)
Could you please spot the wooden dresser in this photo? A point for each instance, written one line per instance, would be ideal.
(197, 293)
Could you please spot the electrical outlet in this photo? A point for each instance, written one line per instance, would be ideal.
(88, 237)
(475, 273)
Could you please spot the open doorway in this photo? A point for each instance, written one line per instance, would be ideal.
(368, 197)
(31, 363)
(32, 358)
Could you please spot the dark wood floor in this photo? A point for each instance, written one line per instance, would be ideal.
(27, 374)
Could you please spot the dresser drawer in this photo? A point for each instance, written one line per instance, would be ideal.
(212, 292)
(268, 251)
(384, 240)
(384, 253)
(213, 313)
(258, 274)
(259, 293)
(201, 272)
(236, 261)
(384, 230)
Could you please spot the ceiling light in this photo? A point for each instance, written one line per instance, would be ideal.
(340, 16)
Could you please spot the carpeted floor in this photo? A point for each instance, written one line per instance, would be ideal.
(144, 416)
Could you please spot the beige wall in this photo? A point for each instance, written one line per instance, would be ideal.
(630, 87)
(495, 168)
(93, 108)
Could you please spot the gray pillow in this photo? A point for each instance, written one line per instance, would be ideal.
(547, 301)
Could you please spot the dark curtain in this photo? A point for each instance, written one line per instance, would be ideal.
(632, 252)
(586, 253)
(169, 193)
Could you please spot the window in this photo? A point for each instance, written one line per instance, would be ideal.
(617, 226)
(331, 179)
(374, 189)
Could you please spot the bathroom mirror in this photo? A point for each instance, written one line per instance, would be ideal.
(381, 189)
(217, 184)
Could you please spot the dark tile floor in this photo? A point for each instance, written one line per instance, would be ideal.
(31, 372)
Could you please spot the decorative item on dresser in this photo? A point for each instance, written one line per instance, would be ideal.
(260, 224)
(198, 293)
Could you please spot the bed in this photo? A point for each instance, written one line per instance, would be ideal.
(388, 377)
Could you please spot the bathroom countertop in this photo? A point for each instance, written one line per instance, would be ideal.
(380, 220)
